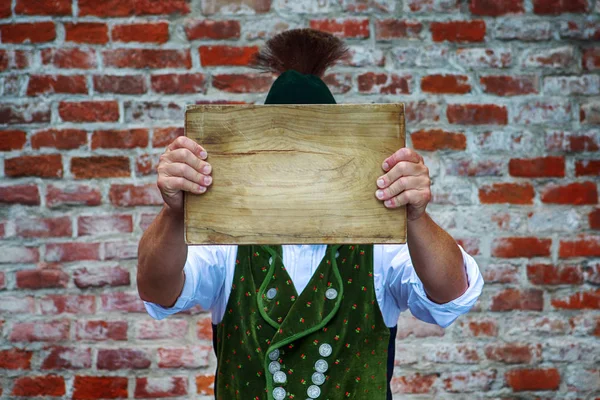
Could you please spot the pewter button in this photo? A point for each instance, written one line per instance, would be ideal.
(274, 366)
(318, 378)
(279, 377)
(321, 366)
(331, 293)
(313, 391)
(271, 293)
(274, 355)
(325, 350)
(279, 393)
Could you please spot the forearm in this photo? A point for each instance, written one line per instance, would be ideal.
(162, 253)
(437, 260)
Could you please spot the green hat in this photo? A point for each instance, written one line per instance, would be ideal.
(300, 57)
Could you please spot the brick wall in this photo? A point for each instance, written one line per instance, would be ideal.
(502, 100)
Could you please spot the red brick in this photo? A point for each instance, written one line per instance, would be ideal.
(483, 328)
(89, 111)
(587, 167)
(99, 387)
(170, 386)
(555, 58)
(513, 353)
(152, 7)
(594, 219)
(371, 82)
(70, 58)
(123, 8)
(576, 193)
(16, 305)
(48, 84)
(548, 274)
(242, 83)
(512, 193)
(472, 167)
(41, 278)
(146, 219)
(48, 7)
(511, 247)
(34, 32)
(167, 329)
(475, 58)
(217, 55)
(397, 29)
(66, 139)
(235, 6)
(12, 140)
(125, 139)
(537, 167)
(502, 85)
(165, 136)
(115, 359)
(101, 330)
(204, 29)
(589, 300)
(39, 386)
(533, 379)
(469, 381)
(437, 139)
(477, 114)
(591, 58)
(147, 58)
(24, 113)
(518, 299)
(458, 31)
(580, 30)
(142, 32)
(120, 84)
(68, 252)
(133, 196)
(14, 59)
(495, 8)
(556, 7)
(101, 276)
(120, 250)
(470, 245)
(67, 358)
(581, 246)
(179, 83)
(204, 329)
(451, 84)
(184, 357)
(15, 359)
(5, 12)
(572, 142)
(40, 331)
(357, 28)
(338, 82)
(413, 384)
(146, 164)
(86, 32)
(71, 304)
(72, 195)
(205, 385)
(19, 255)
(44, 166)
(100, 167)
(104, 224)
(589, 113)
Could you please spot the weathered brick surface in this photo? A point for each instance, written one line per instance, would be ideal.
(501, 100)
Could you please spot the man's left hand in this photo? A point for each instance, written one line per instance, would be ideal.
(406, 182)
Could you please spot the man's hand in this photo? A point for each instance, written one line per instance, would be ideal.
(181, 169)
(406, 182)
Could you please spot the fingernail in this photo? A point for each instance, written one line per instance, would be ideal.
(385, 166)
(206, 169)
(380, 182)
(388, 203)
(379, 194)
(203, 154)
(207, 180)
(201, 189)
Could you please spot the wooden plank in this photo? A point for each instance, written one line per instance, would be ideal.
(294, 174)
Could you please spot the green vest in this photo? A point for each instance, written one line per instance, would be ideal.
(329, 342)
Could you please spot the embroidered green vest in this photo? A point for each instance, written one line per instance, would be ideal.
(328, 342)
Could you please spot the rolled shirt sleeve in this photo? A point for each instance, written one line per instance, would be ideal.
(407, 289)
(204, 272)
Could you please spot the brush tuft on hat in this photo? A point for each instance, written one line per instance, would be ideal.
(305, 50)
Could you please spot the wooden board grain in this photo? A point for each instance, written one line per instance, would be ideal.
(294, 174)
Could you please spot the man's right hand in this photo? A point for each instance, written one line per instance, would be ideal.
(181, 168)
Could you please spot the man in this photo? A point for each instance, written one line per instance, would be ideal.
(309, 321)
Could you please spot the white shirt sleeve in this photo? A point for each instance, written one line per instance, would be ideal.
(205, 270)
(403, 286)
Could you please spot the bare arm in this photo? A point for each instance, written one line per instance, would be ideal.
(162, 250)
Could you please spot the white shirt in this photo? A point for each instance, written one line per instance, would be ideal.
(209, 273)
